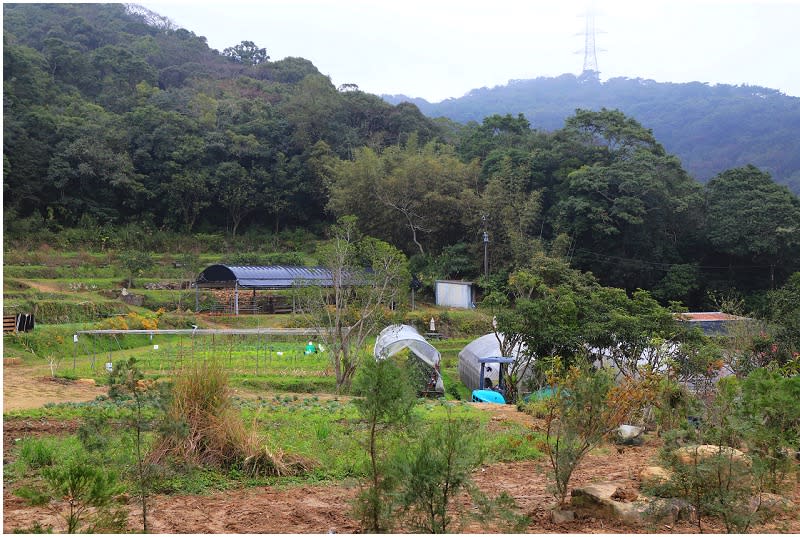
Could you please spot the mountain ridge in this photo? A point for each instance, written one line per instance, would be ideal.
(710, 127)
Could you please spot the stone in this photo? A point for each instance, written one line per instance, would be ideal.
(87, 382)
(654, 476)
(561, 516)
(771, 504)
(671, 510)
(598, 499)
(630, 435)
(693, 454)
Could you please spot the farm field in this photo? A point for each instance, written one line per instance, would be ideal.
(53, 386)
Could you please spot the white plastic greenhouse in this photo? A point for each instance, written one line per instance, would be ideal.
(396, 337)
(469, 368)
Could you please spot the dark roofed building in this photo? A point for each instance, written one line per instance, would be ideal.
(259, 278)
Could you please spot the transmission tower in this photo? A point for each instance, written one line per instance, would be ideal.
(590, 70)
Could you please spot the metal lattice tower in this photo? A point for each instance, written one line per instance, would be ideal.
(590, 70)
(590, 51)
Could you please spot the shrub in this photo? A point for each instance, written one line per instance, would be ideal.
(90, 494)
(438, 468)
(37, 453)
(206, 429)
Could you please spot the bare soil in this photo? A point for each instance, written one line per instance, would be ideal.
(325, 508)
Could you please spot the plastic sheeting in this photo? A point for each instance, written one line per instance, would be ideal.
(396, 337)
(469, 369)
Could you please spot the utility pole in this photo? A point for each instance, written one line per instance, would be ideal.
(486, 254)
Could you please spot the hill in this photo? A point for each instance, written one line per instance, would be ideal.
(710, 128)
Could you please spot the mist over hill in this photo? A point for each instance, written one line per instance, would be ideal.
(711, 128)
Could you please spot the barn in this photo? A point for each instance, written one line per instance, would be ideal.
(242, 283)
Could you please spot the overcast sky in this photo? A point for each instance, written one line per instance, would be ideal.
(437, 49)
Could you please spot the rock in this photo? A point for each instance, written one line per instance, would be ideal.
(630, 435)
(671, 511)
(625, 494)
(87, 382)
(598, 499)
(771, 504)
(694, 454)
(559, 517)
(654, 476)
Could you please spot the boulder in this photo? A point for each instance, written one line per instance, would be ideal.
(771, 504)
(597, 499)
(630, 435)
(654, 476)
(559, 517)
(695, 454)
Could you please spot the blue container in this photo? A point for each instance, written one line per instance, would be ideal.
(488, 396)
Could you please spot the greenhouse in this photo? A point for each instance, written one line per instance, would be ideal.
(469, 366)
(397, 337)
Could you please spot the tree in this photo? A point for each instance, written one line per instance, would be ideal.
(237, 191)
(367, 276)
(386, 399)
(246, 53)
(585, 408)
(439, 467)
(751, 218)
(135, 262)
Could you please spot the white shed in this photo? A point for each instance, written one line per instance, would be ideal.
(455, 294)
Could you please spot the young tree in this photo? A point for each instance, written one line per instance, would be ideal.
(439, 467)
(585, 408)
(84, 495)
(367, 277)
(386, 401)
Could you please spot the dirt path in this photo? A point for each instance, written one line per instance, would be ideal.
(43, 287)
(33, 386)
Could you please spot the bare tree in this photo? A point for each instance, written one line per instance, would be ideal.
(367, 277)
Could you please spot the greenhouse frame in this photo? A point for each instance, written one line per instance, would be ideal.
(397, 337)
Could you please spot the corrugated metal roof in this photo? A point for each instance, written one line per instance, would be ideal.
(264, 277)
(701, 316)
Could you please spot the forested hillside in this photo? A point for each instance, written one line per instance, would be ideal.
(711, 128)
(117, 119)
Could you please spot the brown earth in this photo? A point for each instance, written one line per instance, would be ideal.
(325, 508)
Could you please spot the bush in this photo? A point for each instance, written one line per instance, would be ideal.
(204, 428)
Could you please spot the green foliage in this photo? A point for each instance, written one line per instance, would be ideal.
(91, 496)
(439, 466)
(387, 399)
(37, 453)
(581, 413)
(135, 262)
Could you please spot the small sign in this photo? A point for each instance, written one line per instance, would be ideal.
(109, 367)
(74, 338)
(155, 347)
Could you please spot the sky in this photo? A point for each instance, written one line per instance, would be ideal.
(439, 49)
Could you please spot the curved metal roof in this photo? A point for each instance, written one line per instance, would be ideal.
(267, 277)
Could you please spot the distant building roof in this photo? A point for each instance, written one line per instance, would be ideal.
(711, 322)
(265, 277)
(704, 316)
